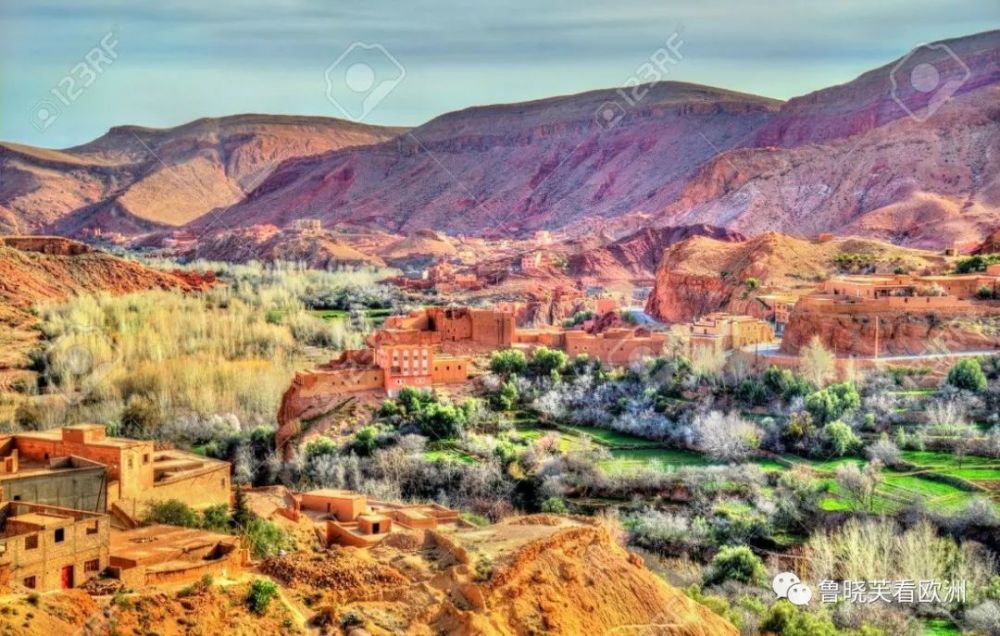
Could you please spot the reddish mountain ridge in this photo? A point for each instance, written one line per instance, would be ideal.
(135, 179)
(850, 160)
(510, 169)
(844, 159)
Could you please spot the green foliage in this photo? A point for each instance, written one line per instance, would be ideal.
(784, 619)
(263, 538)
(441, 421)
(985, 292)
(751, 283)
(977, 263)
(260, 594)
(735, 563)
(389, 409)
(545, 361)
(853, 262)
(320, 446)
(242, 515)
(506, 399)
(216, 518)
(508, 362)
(833, 402)
(366, 440)
(841, 438)
(554, 505)
(783, 382)
(173, 513)
(274, 316)
(578, 319)
(968, 374)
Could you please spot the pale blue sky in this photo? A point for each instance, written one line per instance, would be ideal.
(180, 60)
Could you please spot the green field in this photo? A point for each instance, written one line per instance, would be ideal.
(659, 459)
(611, 439)
(940, 627)
(377, 316)
(449, 455)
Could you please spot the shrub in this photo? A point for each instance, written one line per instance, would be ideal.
(784, 619)
(728, 437)
(29, 417)
(985, 293)
(366, 440)
(840, 437)
(818, 364)
(735, 563)
(173, 513)
(508, 362)
(216, 518)
(833, 402)
(506, 399)
(545, 361)
(441, 421)
(968, 374)
(751, 283)
(554, 505)
(263, 538)
(141, 417)
(259, 595)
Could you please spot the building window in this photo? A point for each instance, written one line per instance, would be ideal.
(92, 527)
(93, 565)
(130, 463)
(222, 483)
(31, 542)
(60, 535)
(145, 458)
(30, 582)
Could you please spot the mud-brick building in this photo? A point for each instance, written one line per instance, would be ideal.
(137, 473)
(49, 548)
(68, 482)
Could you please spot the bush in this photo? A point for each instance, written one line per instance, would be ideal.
(216, 518)
(554, 505)
(736, 563)
(366, 440)
(29, 416)
(141, 418)
(263, 538)
(784, 619)
(545, 361)
(833, 402)
(259, 595)
(441, 421)
(968, 374)
(173, 513)
(508, 362)
(840, 437)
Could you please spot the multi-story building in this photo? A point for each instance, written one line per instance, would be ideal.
(719, 332)
(67, 481)
(137, 473)
(48, 547)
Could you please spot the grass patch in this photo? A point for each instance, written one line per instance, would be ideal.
(659, 459)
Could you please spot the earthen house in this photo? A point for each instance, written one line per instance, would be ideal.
(719, 332)
(136, 473)
(49, 547)
(349, 518)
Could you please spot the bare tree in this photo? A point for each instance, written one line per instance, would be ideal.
(726, 436)
(817, 364)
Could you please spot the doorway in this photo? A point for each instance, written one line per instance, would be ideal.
(66, 577)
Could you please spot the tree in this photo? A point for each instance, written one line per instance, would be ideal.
(841, 438)
(441, 421)
(735, 563)
(968, 374)
(545, 361)
(727, 437)
(884, 451)
(216, 518)
(554, 505)
(508, 362)
(817, 364)
(242, 515)
(833, 402)
(860, 485)
(507, 397)
(366, 440)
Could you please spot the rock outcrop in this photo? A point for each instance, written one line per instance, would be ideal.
(701, 274)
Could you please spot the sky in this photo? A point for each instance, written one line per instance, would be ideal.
(71, 69)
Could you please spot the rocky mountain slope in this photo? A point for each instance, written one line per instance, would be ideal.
(134, 179)
(844, 159)
(266, 243)
(702, 274)
(45, 269)
(513, 168)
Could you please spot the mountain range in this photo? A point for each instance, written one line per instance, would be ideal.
(873, 157)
